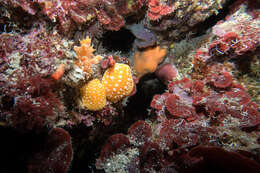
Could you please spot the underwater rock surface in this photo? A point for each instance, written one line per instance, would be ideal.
(122, 86)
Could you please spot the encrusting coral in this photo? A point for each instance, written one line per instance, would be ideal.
(118, 82)
(148, 60)
(93, 95)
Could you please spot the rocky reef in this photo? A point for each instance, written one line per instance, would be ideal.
(129, 86)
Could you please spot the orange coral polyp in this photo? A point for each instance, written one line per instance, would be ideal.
(85, 56)
(118, 82)
(84, 51)
(93, 95)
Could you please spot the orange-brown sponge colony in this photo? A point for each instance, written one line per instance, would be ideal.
(148, 60)
(93, 95)
(118, 82)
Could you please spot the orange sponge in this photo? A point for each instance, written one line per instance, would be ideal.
(93, 95)
(148, 60)
(118, 82)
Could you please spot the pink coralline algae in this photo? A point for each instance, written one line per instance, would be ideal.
(26, 65)
(180, 133)
(157, 9)
(166, 73)
(69, 13)
(146, 151)
(159, 100)
(239, 44)
(35, 106)
(179, 16)
(119, 144)
(36, 51)
(222, 80)
(237, 35)
(177, 108)
(112, 14)
(115, 144)
(104, 117)
(217, 96)
(191, 113)
(140, 132)
(107, 114)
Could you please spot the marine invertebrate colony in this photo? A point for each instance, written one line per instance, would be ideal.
(117, 81)
(166, 73)
(59, 72)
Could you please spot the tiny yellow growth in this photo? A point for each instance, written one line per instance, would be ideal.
(93, 95)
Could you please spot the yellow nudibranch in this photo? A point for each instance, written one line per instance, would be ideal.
(118, 82)
(93, 95)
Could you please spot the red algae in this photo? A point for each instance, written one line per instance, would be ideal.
(113, 145)
(56, 154)
(158, 9)
(234, 37)
(177, 108)
(35, 103)
(222, 80)
(140, 132)
(166, 73)
(150, 157)
(191, 113)
(221, 159)
(113, 14)
(69, 13)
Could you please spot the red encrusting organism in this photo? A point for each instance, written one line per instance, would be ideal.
(57, 75)
(56, 154)
(157, 9)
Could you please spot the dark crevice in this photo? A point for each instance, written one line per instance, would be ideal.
(138, 105)
(17, 148)
(121, 40)
(17, 21)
